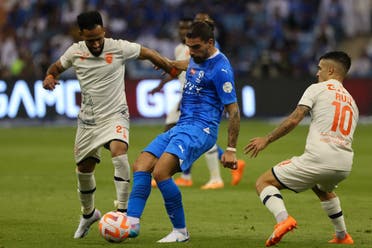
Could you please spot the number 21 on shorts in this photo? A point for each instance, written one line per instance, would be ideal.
(122, 130)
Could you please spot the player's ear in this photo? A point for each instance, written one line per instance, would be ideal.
(211, 42)
(331, 69)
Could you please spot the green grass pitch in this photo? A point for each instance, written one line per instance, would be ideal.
(39, 205)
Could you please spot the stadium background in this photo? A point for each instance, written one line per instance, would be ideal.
(274, 56)
(273, 46)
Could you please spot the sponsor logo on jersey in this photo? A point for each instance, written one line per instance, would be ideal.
(181, 148)
(207, 130)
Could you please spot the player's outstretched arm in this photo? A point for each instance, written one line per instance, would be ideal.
(257, 144)
(158, 60)
(228, 158)
(180, 64)
(51, 78)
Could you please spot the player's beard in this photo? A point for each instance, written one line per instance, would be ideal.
(96, 52)
(198, 60)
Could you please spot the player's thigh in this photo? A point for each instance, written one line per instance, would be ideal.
(329, 179)
(145, 162)
(166, 167)
(113, 130)
(295, 177)
(188, 143)
(85, 146)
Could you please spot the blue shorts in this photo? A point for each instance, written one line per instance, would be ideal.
(187, 142)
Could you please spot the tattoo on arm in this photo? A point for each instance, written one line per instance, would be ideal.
(234, 124)
(289, 123)
(55, 69)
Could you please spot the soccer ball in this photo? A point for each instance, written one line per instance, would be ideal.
(114, 226)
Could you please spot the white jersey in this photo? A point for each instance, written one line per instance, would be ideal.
(181, 52)
(334, 116)
(101, 78)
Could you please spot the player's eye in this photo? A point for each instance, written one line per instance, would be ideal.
(195, 47)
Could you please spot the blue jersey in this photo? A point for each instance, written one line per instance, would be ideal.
(209, 86)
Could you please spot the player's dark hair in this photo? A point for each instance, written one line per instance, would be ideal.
(201, 30)
(340, 57)
(205, 18)
(89, 20)
(186, 19)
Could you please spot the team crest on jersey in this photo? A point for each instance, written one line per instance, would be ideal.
(227, 87)
(192, 71)
(108, 58)
(199, 77)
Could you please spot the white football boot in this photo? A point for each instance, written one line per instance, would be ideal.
(175, 236)
(85, 224)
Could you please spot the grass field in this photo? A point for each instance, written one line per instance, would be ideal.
(39, 205)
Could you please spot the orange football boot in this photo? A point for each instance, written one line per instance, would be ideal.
(183, 182)
(280, 230)
(347, 240)
(238, 173)
(153, 183)
(213, 185)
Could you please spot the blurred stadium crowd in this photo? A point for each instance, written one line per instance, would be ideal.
(262, 38)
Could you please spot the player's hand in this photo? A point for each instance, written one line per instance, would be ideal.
(256, 145)
(155, 90)
(229, 160)
(50, 83)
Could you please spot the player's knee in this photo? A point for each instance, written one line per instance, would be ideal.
(117, 148)
(259, 185)
(87, 165)
(262, 182)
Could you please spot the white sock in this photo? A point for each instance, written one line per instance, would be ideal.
(122, 180)
(211, 157)
(133, 220)
(86, 189)
(181, 230)
(273, 200)
(334, 212)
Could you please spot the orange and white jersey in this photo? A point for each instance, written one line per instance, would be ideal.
(334, 116)
(101, 78)
(181, 52)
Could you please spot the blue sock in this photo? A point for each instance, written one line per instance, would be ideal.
(220, 152)
(173, 202)
(140, 192)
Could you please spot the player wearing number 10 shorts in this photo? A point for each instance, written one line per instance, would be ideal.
(328, 155)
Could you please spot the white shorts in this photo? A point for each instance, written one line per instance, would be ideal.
(89, 139)
(174, 115)
(303, 177)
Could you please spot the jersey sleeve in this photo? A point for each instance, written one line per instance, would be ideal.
(67, 57)
(309, 96)
(224, 82)
(131, 50)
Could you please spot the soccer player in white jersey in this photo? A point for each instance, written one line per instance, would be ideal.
(328, 155)
(213, 156)
(103, 119)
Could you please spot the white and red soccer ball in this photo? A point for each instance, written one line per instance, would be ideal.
(114, 226)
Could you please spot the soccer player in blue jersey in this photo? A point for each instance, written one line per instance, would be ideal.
(209, 89)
